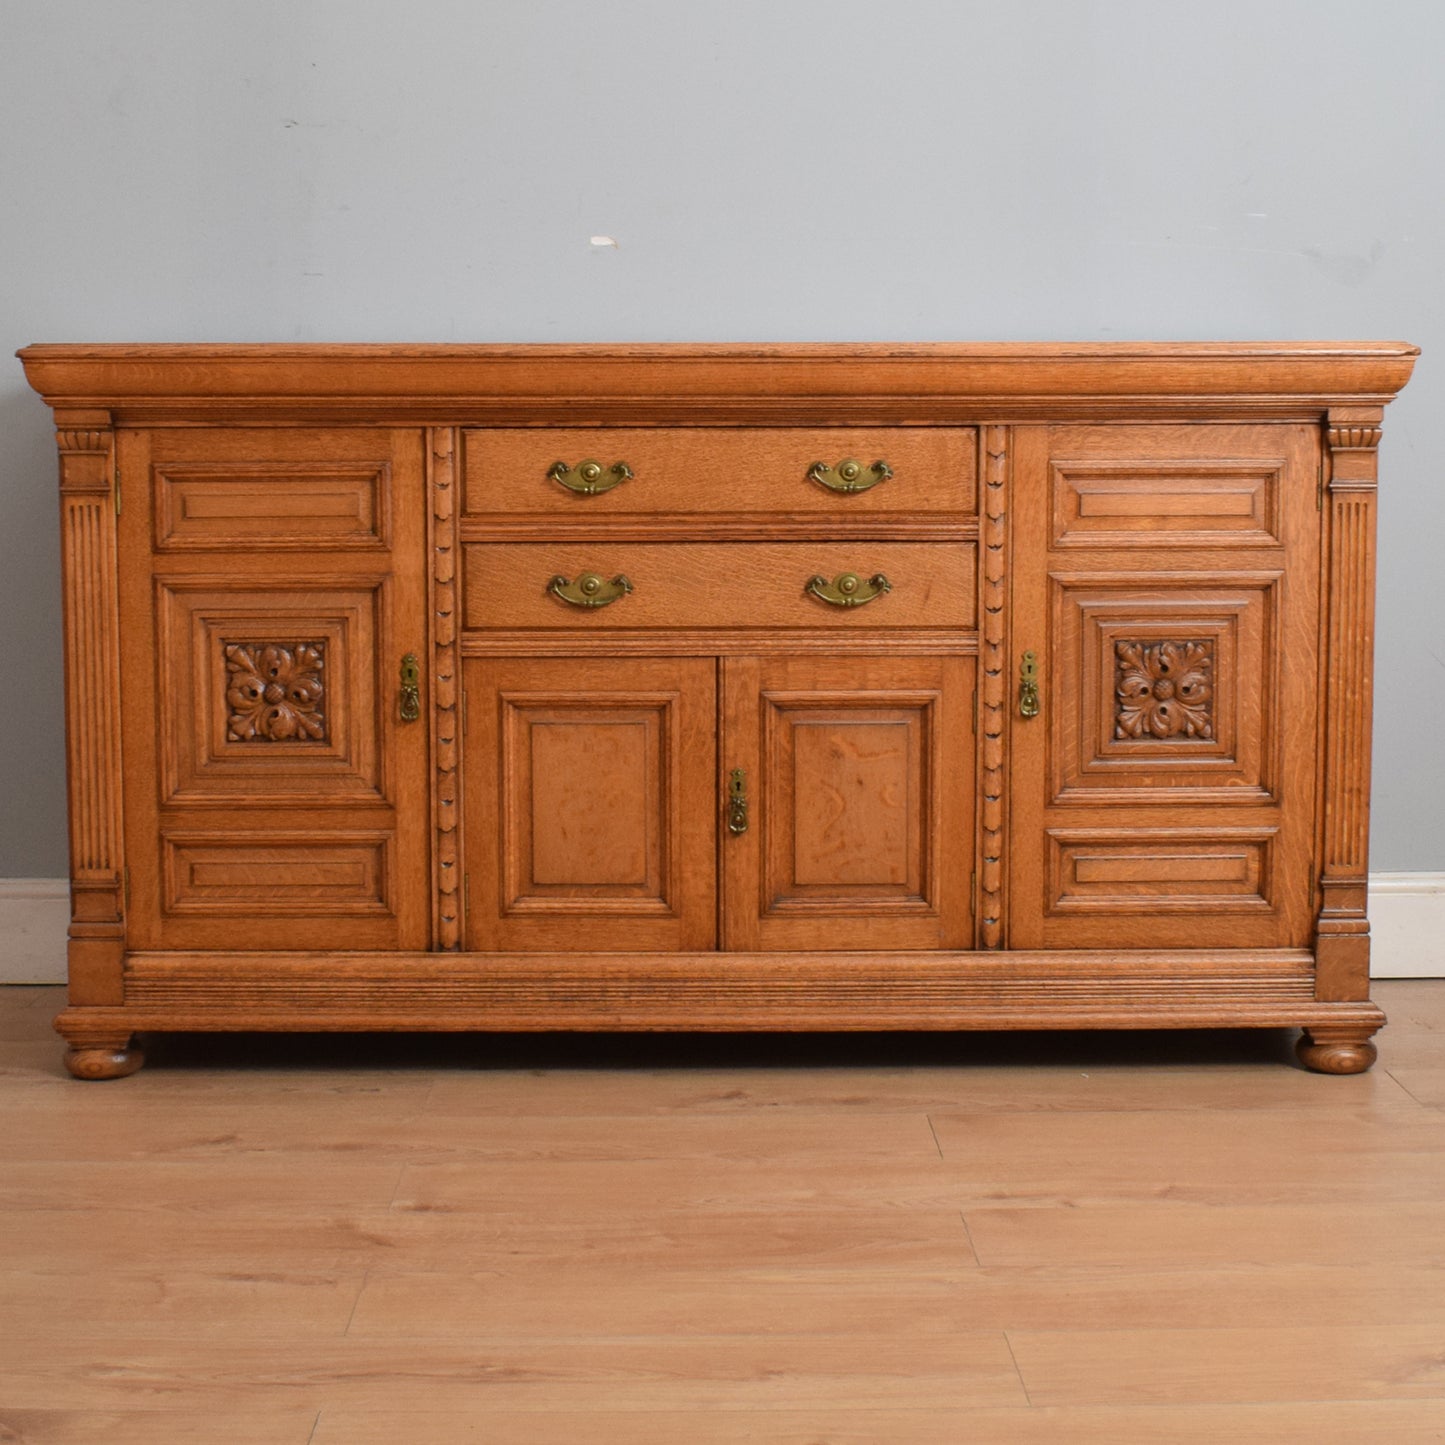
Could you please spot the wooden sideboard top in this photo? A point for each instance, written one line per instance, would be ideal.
(668, 382)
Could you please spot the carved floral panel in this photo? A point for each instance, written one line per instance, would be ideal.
(275, 692)
(1164, 689)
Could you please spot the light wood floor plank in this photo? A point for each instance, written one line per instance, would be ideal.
(157, 1427)
(571, 1374)
(1079, 1367)
(547, 1299)
(175, 1303)
(380, 1127)
(278, 1181)
(1187, 1235)
(316, 1240)
(1390, 1422)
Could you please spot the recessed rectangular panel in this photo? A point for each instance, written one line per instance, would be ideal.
(854, 790)
(269, 699)
(277, 505)
(285, 874)
(1153, 503)
(590, 786)
(1163, 688)
(1158, 871)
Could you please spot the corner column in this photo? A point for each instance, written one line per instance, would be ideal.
(89, 509)
(1342, 940)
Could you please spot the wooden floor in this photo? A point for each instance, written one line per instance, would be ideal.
(676, 1241)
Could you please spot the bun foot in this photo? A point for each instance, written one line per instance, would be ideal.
(104, 1061)
(1328, 1052)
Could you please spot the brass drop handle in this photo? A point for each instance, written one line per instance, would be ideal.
(738, 801)
(410, 695)
(847, 589)
(589, 590)
(849, 475)
(1029, 686)
(591, 477)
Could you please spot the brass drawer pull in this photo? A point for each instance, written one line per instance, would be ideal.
(848, 589)
(1029, 686)
(589, 590)
(738, 801)
(591, 477)
(849, 475)
(409, 699)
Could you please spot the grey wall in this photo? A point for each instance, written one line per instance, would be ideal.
(218, 170)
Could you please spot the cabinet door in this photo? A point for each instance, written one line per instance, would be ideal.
(590, 804)
(858, 782)
(1167, 580)
(274, 579)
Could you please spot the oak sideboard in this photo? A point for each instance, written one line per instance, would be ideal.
(778, 687)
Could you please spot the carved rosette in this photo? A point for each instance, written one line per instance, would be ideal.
(1164, 690)
(275, 692)
(446, 863)
(993, 685)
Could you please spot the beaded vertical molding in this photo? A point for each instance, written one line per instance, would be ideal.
(1342, 943)
(88, 518)
(445, 684)
(993, 689)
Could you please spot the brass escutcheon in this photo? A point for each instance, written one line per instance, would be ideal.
(1029, 686)
(410, 696)
(738, 801)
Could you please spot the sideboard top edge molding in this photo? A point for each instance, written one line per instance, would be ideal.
(167, 377)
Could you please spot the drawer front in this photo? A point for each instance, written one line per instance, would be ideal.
(719, 585)
(729, 470)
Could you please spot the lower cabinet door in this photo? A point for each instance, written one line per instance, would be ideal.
(1166, 582)
(272, 603)
(849, 818)
(591, 815)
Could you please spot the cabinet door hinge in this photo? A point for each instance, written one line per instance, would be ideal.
(467, 892)
(125, 888)
(115, 487)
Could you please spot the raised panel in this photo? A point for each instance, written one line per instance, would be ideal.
(849, 799)
(1164, 688)
(859, 776)
(1150, 871)
(1146, 502)
(269, 697)
(276, 505)
(281, 874)
(587, 801)
(855, 792)
(592, 804)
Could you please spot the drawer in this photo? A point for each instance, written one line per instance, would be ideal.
(719, 584)
(721, 469)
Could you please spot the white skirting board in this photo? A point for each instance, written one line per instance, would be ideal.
(1407, 920)
(34, 913)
